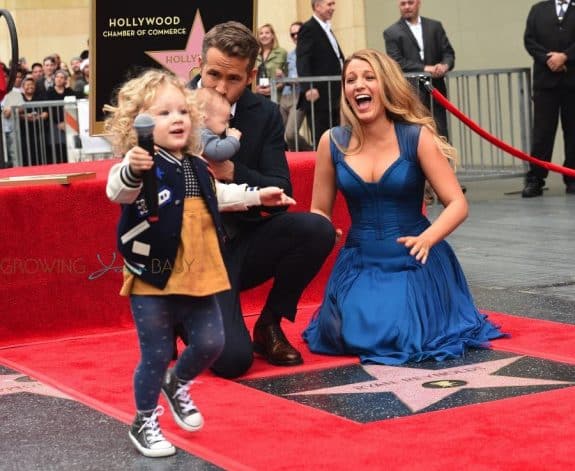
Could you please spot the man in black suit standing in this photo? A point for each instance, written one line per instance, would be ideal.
(318, 53)
(420, 44)
(550, 39)
(263, 243)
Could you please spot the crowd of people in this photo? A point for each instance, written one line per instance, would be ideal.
(42, 140)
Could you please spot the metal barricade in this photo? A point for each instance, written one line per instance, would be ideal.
(497, 99)
(294, 140)
(38, 133)
(47, 132)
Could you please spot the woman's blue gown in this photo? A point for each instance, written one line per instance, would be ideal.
(380, 303)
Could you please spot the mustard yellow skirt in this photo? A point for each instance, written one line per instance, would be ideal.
(198, 269)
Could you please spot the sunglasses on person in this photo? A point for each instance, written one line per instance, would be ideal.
(294, 35)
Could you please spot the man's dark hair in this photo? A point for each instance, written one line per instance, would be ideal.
(233, 39)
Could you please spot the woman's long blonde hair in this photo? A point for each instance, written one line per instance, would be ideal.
(398, 96)
(136, 96)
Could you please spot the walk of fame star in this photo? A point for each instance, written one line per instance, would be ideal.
(370, 393)
(18, 383)
(184, 62)
(419, 388)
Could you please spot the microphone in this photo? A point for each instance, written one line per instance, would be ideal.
(144, 127)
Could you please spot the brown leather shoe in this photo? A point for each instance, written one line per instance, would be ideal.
(272, 344)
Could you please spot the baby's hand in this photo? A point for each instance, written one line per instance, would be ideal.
(234, 132)
(275, 196)
(139, 160)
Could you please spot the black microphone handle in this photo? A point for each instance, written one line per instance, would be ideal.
(149, 180)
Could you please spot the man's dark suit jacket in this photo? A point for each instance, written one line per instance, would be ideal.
(401, 45)
(544, 33)
(314, 57)
(261, 160)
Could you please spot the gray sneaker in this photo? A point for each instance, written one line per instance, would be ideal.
(147, 437)
(177, 393)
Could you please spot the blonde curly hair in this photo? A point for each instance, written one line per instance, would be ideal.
(136, 96)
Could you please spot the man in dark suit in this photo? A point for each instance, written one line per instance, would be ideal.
(289, 247)
(318, 54)
(550, 39)
(420, 44)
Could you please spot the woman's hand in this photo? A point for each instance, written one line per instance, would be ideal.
(419, 246)
(279, 75)
(275, 196)
(312, 95)
(264, 90)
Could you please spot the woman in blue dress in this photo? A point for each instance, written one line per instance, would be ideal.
(397, 292)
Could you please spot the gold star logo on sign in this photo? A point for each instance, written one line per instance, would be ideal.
(185, 62)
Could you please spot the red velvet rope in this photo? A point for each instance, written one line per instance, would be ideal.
(491, 138)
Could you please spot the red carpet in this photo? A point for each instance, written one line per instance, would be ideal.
(59, 268)
(248, 429)
(62, 322)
